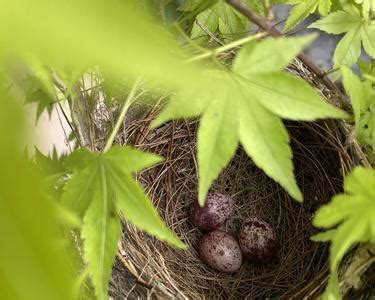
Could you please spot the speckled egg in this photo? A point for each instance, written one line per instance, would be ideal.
(220, 251)
(258, 240)
(216, 210)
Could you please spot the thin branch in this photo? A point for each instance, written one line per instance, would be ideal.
(227, 47)
(61, 88)
(266, 26)
(62, 125)
(209, 33)
(121, 117)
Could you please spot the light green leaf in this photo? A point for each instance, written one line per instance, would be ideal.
(231, 24)
(357, 92)
(102, 187)
(100, 232)
(209, 19)
(245, 108)
(367, 68)
(332, 291)
(300, 12)
(348, 49)
(250, 59)
(220, 18)
(192, 104)
(362, 97)
(368, 6)
(49, 164)
(35, 84)
(217, 141)
(290, 97)
(338, 22)
(353, 212)
(130, 159)
(366, 132)
(357, 31)
(266, 140)
(349, 233)
(79, 191)
(325, 7)
(368, 38)
(324, 236)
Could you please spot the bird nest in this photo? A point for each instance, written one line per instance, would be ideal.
(322, 153)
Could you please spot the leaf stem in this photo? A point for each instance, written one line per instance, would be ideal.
(227, 47)
(129, 100)
(369, 77)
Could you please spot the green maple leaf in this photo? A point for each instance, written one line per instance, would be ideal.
(49, 164)
(224, 19)
(246, 107)
(357, 31)
(303, 9)
(101, 186)
(368, 6)
(362, 97)
(354, 215)
(35, 84)
(42, 94)
(367, 68)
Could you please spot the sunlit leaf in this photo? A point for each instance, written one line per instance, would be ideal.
(353, 212)
(246, 108)
(357, 32)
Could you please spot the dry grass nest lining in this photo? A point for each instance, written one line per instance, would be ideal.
(322, 154)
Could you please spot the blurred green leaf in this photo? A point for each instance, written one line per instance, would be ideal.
(49, 164)
(100, 187)
(324, 236)
(332, 291)
(367, 67)
(33, 264)
(112, 35)
(34, 83)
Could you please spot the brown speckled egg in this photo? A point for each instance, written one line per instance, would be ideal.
(220, 251)
(216, 210)
(258, 240)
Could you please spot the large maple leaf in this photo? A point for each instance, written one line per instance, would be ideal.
(246, 107)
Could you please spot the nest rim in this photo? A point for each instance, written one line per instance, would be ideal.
(151, 267)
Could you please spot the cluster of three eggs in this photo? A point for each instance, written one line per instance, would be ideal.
(256, 240)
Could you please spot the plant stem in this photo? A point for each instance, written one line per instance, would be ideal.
(129, 100)
(227, 47)
(263, 24)
(369, 77)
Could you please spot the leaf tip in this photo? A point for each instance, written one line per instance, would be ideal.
(202, 193)
(155, 123)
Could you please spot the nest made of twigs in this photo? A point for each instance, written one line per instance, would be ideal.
(322, 152)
